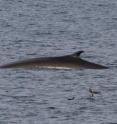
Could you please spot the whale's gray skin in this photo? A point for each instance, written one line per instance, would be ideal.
(67, 61)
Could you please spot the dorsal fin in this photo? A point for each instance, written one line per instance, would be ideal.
(77, 54)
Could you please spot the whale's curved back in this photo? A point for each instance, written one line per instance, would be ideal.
(67, 61)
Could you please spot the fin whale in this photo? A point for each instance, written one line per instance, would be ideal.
(67, 61)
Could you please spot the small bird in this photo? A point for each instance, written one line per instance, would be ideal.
(93, 92)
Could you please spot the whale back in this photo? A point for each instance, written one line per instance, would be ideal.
(70, 61)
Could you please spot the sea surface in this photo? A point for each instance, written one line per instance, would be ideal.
(43, 28)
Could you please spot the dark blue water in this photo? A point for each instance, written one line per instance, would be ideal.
(36, 28)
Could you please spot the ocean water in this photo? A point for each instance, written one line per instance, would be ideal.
(37, 28)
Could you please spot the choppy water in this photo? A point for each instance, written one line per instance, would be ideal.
(35, 28)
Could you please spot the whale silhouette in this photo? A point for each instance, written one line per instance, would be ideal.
(67, 61)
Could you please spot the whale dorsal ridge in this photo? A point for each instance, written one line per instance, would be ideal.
(77, 54)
